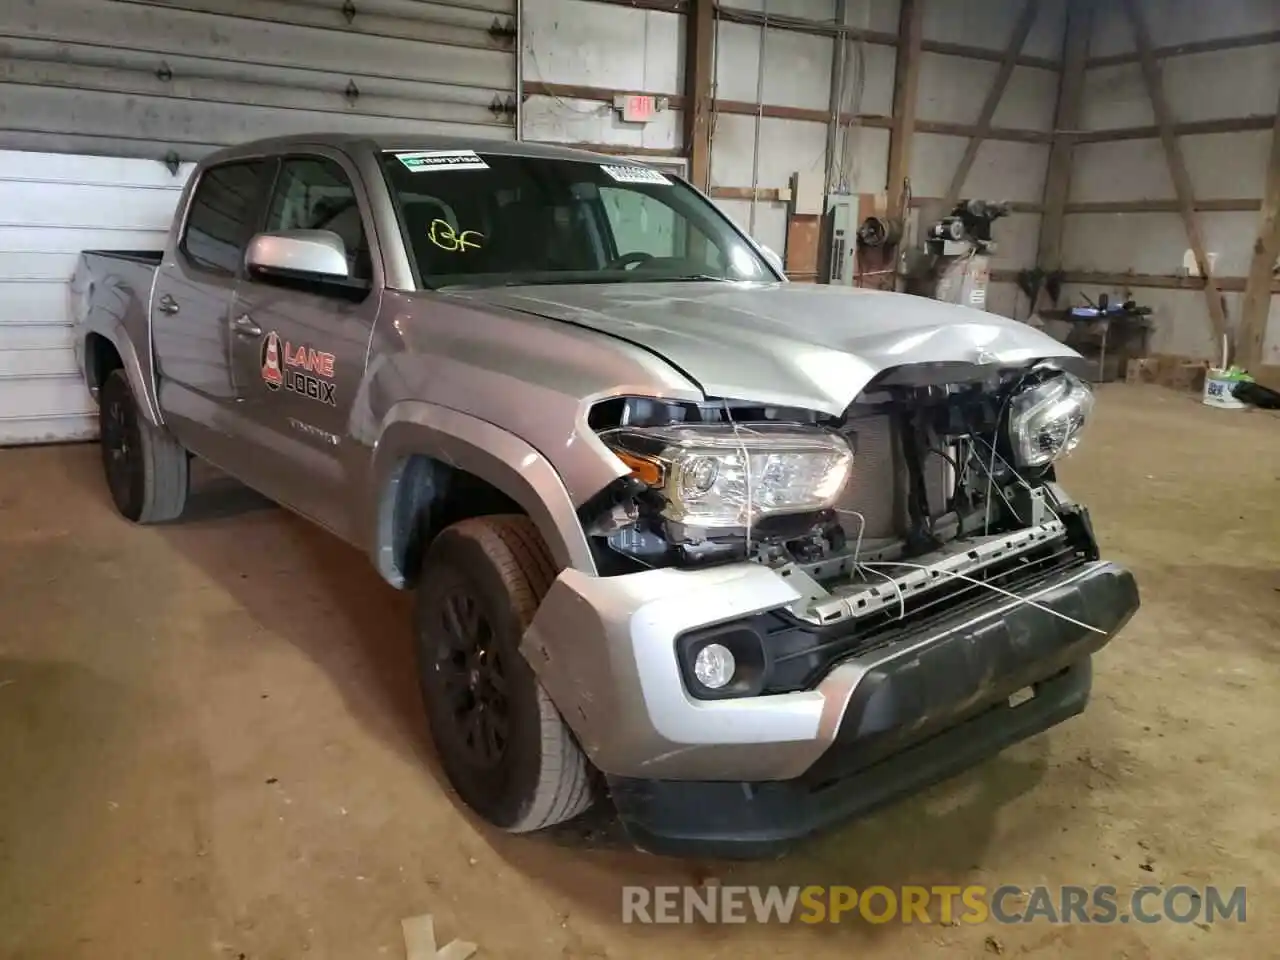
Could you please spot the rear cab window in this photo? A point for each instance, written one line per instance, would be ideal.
(223, 215)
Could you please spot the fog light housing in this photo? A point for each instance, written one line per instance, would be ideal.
(724, 661)
(714, 666)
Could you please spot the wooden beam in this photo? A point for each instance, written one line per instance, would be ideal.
(1057, 187)
(699, 79)
(1222, 205)
(992, 133)
(617, 149)
(1177, 166)
(763, 194)
(665, 6)
(1185, 49)
(1141, 280)
(577, 91)
(829, 28)
(983, 53)
(1015, 206)
(1185, 129)
(1256, 307)
(821, 28)
(1010, 59)
(906, 84)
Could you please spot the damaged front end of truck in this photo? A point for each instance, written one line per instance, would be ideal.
(825, 611)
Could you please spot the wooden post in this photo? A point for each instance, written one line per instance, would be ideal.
(699, 75)
(1057, 186)
(1010, 60)
(1257, 291)
(1177, 166)
(906, 83)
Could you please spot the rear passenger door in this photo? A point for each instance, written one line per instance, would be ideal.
(300, 347)
(191, 303)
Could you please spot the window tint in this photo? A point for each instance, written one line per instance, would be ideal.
(222, 215)
(313, 193)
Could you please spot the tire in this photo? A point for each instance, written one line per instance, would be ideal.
(145, 468)
(500, 739)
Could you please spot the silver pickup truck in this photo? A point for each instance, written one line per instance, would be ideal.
(748, 557)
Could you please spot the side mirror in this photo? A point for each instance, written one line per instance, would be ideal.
(774, 260)
(303, 254)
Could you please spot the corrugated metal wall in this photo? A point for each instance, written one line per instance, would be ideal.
(141, 78)
(120, 96)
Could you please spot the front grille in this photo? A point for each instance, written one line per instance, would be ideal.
(801, 652)
(877, 486)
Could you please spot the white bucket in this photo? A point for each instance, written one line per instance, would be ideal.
(1220, 392)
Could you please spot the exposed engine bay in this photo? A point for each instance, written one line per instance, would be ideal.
(930, 479)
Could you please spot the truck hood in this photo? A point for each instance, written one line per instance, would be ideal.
(800, 345)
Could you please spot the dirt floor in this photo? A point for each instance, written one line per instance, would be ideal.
(211, 743)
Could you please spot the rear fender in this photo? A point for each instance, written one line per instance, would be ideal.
(108, 307)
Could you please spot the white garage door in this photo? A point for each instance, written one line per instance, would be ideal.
(52, 206)
(105, 104)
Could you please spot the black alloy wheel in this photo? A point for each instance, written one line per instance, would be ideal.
(121, 441)
(473, 678)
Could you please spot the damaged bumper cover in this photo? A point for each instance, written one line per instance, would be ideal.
(747, 776)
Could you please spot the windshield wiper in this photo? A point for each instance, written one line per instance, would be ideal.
(688, 277)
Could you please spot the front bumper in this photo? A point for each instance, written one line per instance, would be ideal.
(747, 774)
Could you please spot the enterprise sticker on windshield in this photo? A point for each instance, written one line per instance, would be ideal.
(442, 160)
(625, 174)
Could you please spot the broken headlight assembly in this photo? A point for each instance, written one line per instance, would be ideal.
(721, 477)
(1046, 417)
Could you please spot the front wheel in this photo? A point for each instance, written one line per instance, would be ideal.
(501, 741)
(146, 469)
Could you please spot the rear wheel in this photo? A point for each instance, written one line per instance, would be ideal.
(146, 469)
(500, 739)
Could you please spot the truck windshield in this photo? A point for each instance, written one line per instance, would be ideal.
(494, 220)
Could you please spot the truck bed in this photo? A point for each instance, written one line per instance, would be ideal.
(152, 257)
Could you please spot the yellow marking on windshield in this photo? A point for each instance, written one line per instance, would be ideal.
(445, 237)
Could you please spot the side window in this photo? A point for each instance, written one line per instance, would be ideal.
(643, 224)
(313, 193)
(221, 215)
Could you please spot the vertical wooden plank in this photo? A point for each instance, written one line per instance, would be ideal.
(906, 83)
(1177, 165)
(1266, 248)
(1057, 187)
(699, 77)
(1007, 62)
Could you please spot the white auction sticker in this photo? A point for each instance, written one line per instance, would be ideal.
(442, 160)
(625, 174)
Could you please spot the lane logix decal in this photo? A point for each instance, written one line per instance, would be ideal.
(424, 160)
(445, 237)
(304, 370)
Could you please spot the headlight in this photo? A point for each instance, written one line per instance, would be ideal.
(703, 475)
(1045, 420)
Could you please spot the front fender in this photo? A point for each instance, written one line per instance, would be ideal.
(499, 458)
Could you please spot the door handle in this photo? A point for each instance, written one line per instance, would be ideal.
(245, 327)
(167, 305)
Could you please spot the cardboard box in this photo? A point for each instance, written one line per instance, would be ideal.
(1176, 373)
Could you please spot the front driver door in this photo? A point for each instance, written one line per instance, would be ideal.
(300, 348)
(191, 304)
